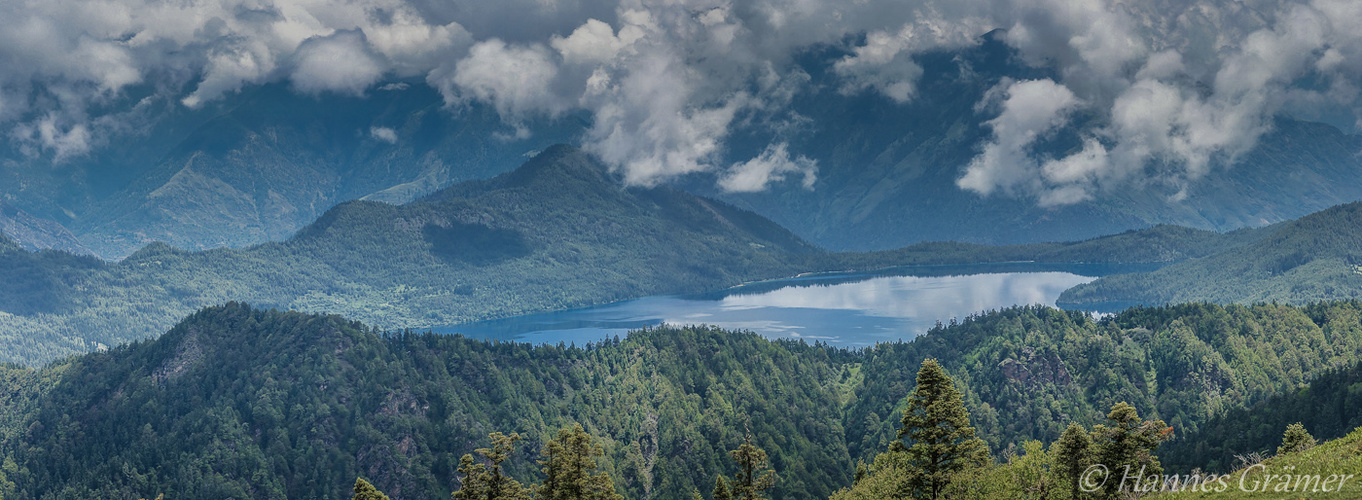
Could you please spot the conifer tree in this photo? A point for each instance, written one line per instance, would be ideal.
(366, 491)
(1073, 456)
(721, 491)
(941, 440)
(1126, 448)
(753, 478)
(480, 482)
(1295, 439)
(569, 464)
(471, 485)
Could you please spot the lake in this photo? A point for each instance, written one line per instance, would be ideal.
(842, 309)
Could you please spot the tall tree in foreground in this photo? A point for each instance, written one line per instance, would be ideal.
(481, 482)
(569, 464)
(940, 445)
(941, 441)
(1126, 447)
(1073, 455)
(752, 479)
(366, 491)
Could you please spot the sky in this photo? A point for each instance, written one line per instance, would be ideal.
(1166, 89)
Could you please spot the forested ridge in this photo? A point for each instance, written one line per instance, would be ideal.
(1317, 257)
(560, 232)
(241, 402)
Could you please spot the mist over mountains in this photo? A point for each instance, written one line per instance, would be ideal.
(855, 171)
(860, 126)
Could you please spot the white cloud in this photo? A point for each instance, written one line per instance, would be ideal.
(1171, 90)
(771, 166)
(384, 134)
(1031, 108)
(517, 80)
(339, 63)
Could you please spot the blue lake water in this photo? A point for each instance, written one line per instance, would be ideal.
(842, 309)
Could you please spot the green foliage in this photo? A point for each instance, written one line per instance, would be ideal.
(480, 482)
(941, 441)
(1295, 439)
(753, 478)
(1125, 446)
(721, 490)
(1330, 460)
(569, 468)
(365, 491)
(941, 447)
(1073, 454)
(1315, 258)
(557, 233)
(239, 402)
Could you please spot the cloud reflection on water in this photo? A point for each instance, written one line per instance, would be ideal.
(852, 314)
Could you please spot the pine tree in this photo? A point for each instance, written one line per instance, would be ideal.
(937, 425)
(1295, 439)
(569, 462)
(480, 482)
(1073, 455)
(721, 491)
(751, 481)
(1126, 448)
(366, 491)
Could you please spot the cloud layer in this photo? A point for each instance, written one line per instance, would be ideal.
(1163, 91)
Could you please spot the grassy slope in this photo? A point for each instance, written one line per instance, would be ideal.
(1314, 258)
(1339, 457)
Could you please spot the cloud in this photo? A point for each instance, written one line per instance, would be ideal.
(516, 80)
(1030, 109)
(1170, 91)
(341, 63)
(384, 134)
(771, 166)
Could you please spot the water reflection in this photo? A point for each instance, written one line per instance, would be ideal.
(846, 310)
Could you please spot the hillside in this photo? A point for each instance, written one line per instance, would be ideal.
(888, 170)
(557, 233)
(1338, 457)
(33, 233)
(237, 402)
(1314, 258)
(262, 163)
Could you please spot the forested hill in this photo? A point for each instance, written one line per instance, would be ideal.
(1317, 257)
(237, 402)
(557, 233)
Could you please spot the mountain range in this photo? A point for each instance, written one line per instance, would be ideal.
(262, 163)
(559, 232)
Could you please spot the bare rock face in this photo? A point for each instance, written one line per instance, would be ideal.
(1032, 369)
(35, 233)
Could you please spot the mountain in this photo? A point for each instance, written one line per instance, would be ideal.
(33, 233)
(887, 171)
(1317, 257)
(258, 166)
(559, 232)
(235, 402)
